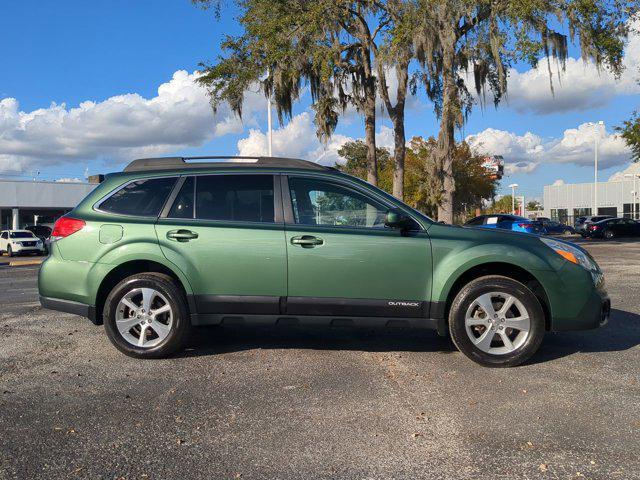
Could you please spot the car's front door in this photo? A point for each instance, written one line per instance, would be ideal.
(226, 233)
(343, 261)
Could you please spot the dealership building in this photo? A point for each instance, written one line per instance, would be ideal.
(25, 203)
(616, 197)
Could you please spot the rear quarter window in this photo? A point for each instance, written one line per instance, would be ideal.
(141, 198)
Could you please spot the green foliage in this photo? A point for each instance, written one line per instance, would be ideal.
(534, 205)
(421, 174)
(355, 155)
(503, 205)
(458, 40)
(630, 131)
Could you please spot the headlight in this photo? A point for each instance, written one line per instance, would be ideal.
(17, 244)
(574, 255)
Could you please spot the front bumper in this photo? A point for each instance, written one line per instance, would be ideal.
(67, 306)
(594, 314)
(577, 299)
(23, 249)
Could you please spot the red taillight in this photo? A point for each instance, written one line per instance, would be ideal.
(66, 226)
(593, 227)
(525, 225)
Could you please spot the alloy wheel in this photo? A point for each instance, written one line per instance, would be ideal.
(144, 317)
(497, 323)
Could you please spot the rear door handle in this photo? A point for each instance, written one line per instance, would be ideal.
(181, 235)
(307, 241)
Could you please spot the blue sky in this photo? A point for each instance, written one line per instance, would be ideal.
(71, 52)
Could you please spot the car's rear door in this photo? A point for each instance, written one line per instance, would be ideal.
(343, 261)
(226, 233)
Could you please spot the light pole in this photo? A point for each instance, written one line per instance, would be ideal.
(513, 187)
(270, 134)
(595, 167)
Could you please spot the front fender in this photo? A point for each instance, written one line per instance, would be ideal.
(456, 250)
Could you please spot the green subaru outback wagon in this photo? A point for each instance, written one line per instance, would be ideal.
(175, 242)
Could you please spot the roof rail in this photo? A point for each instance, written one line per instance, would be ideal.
(172, 163)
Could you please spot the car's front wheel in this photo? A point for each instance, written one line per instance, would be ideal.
(146, 316)
(496, 321)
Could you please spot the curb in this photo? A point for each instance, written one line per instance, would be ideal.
(19, 263)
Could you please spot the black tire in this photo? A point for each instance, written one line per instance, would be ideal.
(496, 283)
(10, 251)
(609, 234)
(181, 322)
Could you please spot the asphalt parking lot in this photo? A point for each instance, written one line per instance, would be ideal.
(300, 403)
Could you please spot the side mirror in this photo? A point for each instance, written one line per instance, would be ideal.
(398, 220)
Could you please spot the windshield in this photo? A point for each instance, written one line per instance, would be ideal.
(21, 235)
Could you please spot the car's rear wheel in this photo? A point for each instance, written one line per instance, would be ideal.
(10, 251)
(496, 321)
(609, 234)
(146, 316)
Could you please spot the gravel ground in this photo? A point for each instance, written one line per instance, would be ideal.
(302, 403)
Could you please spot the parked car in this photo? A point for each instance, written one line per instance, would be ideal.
(170, 243)
(15, 242)
(612, 228)
(582, 222)
(507, 222)
(556, 228)
(42, 232)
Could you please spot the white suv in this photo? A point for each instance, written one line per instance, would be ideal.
(20, 241)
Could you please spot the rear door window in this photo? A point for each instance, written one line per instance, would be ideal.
(141, 198)
(240, 198)
(183, 204)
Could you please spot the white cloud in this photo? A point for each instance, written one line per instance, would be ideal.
(295, 139)
(523, 153)
(120, 127)
(298, 139)
(558, 183)
(580, 86)
(632, 169)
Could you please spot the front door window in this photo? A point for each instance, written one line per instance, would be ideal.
(322, 203)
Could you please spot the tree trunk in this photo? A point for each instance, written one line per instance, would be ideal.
(399, 151)
(370, 140)
(397, 117)
(446, 138)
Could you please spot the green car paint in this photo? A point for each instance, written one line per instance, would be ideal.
(258, 268)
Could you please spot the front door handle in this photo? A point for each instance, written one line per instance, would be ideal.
(307, 241)
(181, 235)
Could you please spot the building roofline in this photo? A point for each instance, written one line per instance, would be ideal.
(46, 181)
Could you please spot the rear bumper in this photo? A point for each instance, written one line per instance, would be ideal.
(68, 306)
